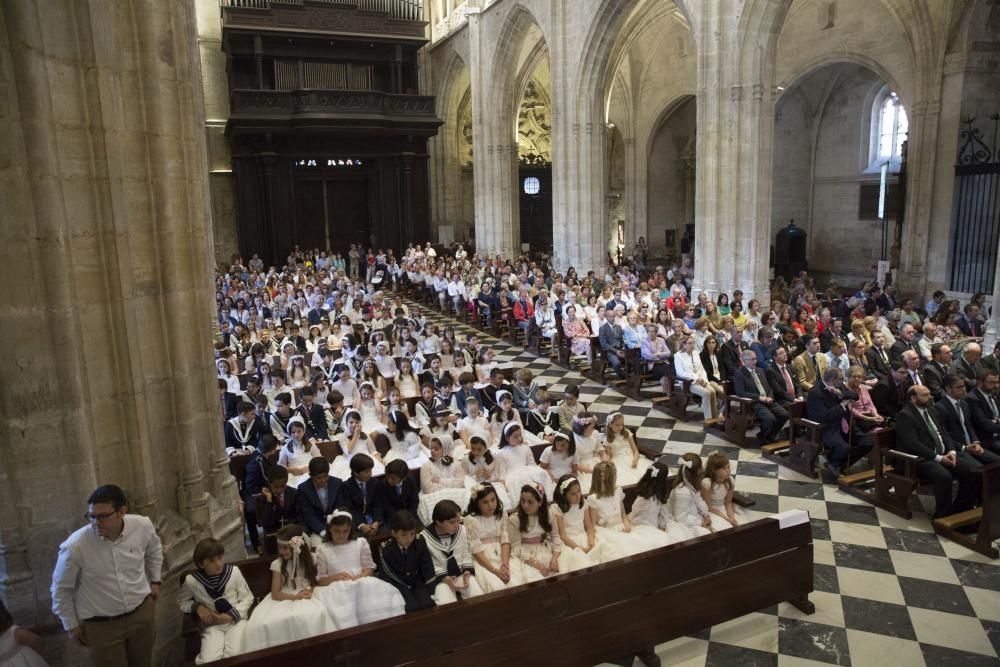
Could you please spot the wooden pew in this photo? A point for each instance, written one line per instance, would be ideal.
(890, 482)
(653, 597)
(804, 444)
(987, 515)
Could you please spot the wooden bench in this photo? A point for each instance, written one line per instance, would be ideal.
(891, 480)
(804, 444)
(677, 403)
(987, 516)
(653, 597)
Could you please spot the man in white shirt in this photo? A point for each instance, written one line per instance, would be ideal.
(107, 580)
(457, 292)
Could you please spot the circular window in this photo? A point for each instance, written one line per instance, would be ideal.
(532, 185)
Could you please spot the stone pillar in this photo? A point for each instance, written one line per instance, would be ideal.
(993, 324)
(735, 146)
(107, 238)
(922, 151)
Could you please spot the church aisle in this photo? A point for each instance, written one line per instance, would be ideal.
(887, 590)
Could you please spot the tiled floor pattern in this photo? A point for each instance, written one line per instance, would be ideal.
(888, 591)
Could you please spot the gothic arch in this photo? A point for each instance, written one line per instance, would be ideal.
(807, 68)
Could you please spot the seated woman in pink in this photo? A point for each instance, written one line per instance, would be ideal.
(577, 331)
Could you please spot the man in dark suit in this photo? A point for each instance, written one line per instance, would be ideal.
(612, 340)
(967, 364)
(985, 409)
(992, 361)
(831, 333)
(886, 301)
(788, 339)
(936, 369)
(969, 324)
(905, 341)
(889, 393)
(312, 415)
(750, 382)
(732, 350)
(919, 432)
(878, 356)
(829, 404)
(317, 497)
(780, 377)
(955, 415)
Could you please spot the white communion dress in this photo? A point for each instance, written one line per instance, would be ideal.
(360, 601)
(276, 622)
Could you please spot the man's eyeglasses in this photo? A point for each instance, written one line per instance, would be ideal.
(99, 517)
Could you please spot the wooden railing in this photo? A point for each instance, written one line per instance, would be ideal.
(289, 103)
(402, 10)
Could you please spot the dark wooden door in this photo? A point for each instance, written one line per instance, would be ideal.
(535, 188)
(347, 205)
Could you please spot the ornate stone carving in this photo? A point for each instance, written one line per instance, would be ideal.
(534, 127)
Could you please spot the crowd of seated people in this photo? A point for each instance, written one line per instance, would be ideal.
(371, 366)
(308, 353)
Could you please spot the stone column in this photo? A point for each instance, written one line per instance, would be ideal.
(107, 238)
(993, 324)
(735, 145)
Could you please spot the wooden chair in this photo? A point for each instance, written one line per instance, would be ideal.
(330, 449)
(987, 516)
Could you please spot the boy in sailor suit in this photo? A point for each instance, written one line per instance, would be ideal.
(243, 431)
(218, 594)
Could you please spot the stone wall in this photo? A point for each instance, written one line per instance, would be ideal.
(668, 189)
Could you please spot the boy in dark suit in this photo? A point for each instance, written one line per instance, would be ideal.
(357, 496)
(278, 508)
(406, 563)
(396, 491)
(317, 498)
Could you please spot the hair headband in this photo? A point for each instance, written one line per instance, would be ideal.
(502, 393)
(295, 544)
(510, 426)
(366, 382)
(566, 483)
(612, 417)
(334, 514)
(296, 420)
(347, 415)
(584, 421)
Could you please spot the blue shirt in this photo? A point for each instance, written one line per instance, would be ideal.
(633, 337)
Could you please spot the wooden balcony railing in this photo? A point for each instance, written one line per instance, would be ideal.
(403, 18)
(289, 104)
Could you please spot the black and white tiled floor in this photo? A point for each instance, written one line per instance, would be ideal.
(888, 591)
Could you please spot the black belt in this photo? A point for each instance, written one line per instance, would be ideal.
(108, 619)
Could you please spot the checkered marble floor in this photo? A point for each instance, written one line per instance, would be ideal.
(888, 591)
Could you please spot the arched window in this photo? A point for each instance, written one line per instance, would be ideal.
(888, 126)
(892, 128)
